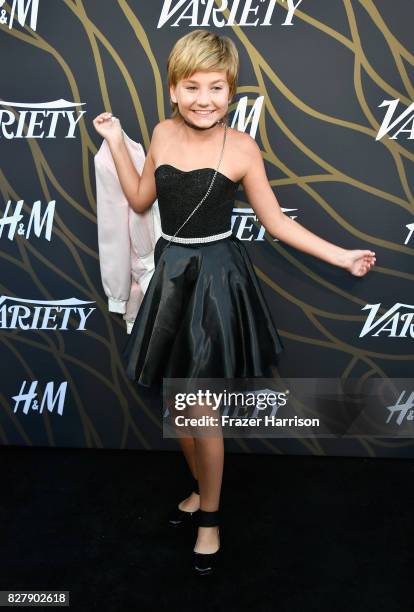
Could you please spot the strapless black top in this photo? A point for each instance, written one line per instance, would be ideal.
(179, 192)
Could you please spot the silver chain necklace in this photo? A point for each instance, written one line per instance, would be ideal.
(208, 190)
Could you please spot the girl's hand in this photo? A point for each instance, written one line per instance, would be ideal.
(109, 127)
(358, 262)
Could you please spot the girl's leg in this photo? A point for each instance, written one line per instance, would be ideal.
(192, 502)
(187, 446)
(210, 462)
(209, 454)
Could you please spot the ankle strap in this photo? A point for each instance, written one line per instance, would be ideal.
(208, 519)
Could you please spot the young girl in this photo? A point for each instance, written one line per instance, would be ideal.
(203, 314)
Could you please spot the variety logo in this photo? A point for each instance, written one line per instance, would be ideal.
(22, 7)
(404, 410)
(205, 13)
(36, 222)
(248, 231)
(397, 322)
(42, 119)
(410, 227)
(18, 313)
(29, 399)
(406, 118)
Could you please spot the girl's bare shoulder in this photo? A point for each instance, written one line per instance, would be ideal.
(244, 141)
(240, 144)
(159, 134)
(162, 128)
(166, 126)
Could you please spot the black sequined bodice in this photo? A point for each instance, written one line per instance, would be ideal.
(179, 192)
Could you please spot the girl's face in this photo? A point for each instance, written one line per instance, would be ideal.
(203, 98)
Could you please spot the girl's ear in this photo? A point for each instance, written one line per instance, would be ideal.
(172, 94)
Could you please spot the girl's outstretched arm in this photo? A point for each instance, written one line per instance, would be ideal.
(263, 201)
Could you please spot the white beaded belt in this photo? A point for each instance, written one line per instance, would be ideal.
(195, 240)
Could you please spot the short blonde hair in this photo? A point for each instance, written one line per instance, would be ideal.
(202, 50)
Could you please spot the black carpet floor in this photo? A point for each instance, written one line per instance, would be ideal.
(297, 534)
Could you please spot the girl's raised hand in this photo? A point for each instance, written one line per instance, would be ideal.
(109, 127)
(359, 262)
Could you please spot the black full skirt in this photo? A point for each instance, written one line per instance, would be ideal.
(203, 316)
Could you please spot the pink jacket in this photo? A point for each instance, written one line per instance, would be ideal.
(126, 239)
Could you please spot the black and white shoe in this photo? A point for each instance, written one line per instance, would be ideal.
(179, 517)
(206, 563)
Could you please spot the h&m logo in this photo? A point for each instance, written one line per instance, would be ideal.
(23, 7)
(404, 410)
(29, 399)
(35, 224)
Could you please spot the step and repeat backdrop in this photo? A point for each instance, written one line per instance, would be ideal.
(326, 88)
